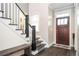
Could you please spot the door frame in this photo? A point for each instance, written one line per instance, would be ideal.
(71, 14)
(70, 31)
(68, 17)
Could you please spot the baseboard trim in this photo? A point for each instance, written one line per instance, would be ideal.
(34, 52)
(51, 44)
(62, 46)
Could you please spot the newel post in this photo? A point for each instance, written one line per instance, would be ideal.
(33, 38)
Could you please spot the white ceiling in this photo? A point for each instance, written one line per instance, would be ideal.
(25, 6)
(59, 5)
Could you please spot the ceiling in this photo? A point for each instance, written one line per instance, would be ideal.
(25, 6)
(59, 5)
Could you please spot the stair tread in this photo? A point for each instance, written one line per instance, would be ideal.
(40, 46)
(38, 41)
(18, 29)
(12, 24)
(23, 33)
(6, 18)
(37, 38)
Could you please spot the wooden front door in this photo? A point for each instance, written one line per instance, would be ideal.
(62, 30)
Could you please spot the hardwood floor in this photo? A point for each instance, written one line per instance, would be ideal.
(54, 51)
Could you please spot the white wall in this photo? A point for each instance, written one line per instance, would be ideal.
(77, 28)
(8, 38)
(24, 7)
(50, 26)
(40, 9)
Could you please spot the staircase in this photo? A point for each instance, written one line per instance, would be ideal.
(40, 45)
(18, 22)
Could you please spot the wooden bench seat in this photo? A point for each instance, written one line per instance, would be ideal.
(12, 51)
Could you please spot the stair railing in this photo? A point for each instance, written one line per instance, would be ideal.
(27, 25)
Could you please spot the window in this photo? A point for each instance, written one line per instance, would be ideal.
(65, 21)
(59, 22)
(62, 21)
(35, 21)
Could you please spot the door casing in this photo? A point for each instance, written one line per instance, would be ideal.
(63, 27)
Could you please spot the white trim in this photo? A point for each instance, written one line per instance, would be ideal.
(62, 46)
(46, 46)
(64, 8)
(34, 52)
(51, 44)
(76, 30)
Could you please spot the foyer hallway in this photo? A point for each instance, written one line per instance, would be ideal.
(55, 51)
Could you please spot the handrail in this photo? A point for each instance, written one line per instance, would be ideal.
(30, 25)
(1, 11)
(27, 30)
(20, 9)
(23, 13)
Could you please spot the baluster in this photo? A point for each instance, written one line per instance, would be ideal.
(27, 26)
(2, 9)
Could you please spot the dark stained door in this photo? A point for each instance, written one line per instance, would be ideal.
(62, 30)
